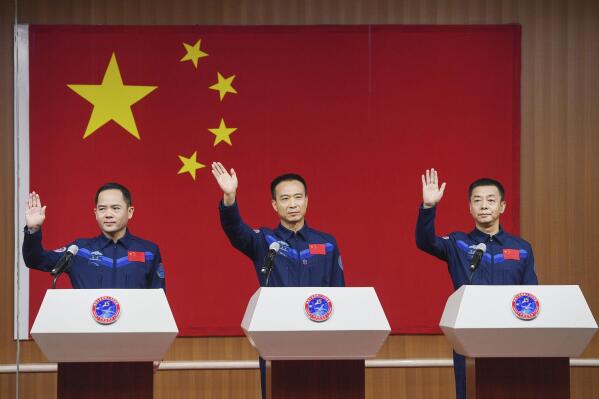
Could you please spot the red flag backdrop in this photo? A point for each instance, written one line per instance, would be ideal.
(360, 111)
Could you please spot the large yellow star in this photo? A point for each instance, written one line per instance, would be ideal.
(193, 53)
(224, 85)
(112, 100)
(222, 133)
(190, 165)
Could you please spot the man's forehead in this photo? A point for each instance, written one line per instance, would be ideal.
(485, 191)
(111, 197)
(290, 187)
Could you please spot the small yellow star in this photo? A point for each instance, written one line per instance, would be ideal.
(224, 85)
(222, 133)
(193, 53)
(190, 165)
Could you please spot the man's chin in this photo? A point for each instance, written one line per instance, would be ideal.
(110, 230)
(486, 222)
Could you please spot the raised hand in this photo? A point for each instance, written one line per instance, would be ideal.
(431, 193)
(35, 213)
(227, 182)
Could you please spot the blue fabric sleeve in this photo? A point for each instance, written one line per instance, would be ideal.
(241, 236)
(337, 276)
(34, 254)
(530, 274)
(426, 239)
(157, 276)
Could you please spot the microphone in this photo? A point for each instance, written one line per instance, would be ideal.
(64, 262)
(479, 251)
(269, 260)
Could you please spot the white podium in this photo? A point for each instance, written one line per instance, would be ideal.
(96, 359)
(508, 356)
(315, 359)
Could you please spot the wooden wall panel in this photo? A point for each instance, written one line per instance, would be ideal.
(217, 384)
(31, 385)
(559, 163)
(7, 351)
(409, 383)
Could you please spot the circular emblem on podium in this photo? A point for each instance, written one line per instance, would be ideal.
(106, 310)
(525, 306)
(318, 307)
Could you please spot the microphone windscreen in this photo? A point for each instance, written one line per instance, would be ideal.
(73, 249)
(275, 246)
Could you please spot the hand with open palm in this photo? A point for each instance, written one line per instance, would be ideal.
(35, 213)
(227, 182)
(431, 193)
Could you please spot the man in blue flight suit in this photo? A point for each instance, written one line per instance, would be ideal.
(508, 259)
(114, 259)
(306, 258)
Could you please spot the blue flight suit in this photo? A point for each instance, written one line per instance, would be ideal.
(131, 262)
(508, 260)
(308, 258)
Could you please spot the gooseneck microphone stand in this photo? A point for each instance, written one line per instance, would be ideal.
(57, 275)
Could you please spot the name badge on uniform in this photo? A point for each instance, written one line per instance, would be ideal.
(133, 256)
(317, 249)
(511, 254)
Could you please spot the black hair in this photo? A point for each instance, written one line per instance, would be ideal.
(287, 177)
(485, 181)
(116, 186)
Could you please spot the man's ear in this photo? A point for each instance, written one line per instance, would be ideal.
(130, 211)
(502, 206)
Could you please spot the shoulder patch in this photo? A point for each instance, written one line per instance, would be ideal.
(445, 237)
(160, 270)
(257, 231)
(61, 249)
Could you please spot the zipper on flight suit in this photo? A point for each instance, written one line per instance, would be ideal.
(114, 265)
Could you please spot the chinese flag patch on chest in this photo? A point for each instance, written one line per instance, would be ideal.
(133, 256)
(318, 249)
(511, 254)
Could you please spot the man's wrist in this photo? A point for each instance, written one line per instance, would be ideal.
(427, 206)
(32, 230)
(228, 199)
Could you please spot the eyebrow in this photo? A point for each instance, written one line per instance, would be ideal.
(291, 195)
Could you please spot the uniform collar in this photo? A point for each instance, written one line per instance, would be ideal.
(124, 240)
(285, 233)
(481, 236)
